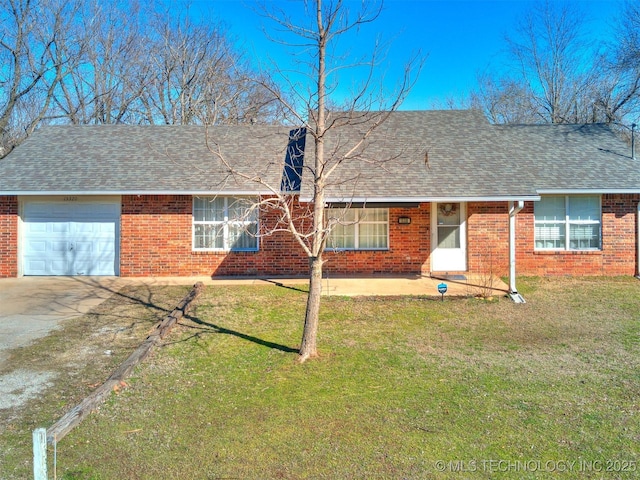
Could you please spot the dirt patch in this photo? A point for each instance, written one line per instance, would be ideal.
(81, 354)
(17, 387)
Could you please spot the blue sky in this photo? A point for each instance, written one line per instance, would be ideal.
(459, 38)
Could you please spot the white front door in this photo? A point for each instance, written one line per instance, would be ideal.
(448, 237)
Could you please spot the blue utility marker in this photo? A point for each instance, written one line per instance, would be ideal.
(442, 289)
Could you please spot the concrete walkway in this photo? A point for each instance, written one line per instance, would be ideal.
(457, 285)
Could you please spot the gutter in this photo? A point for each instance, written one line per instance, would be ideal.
(586, 191)
(83, 193)
(514, 209)
(425, 199)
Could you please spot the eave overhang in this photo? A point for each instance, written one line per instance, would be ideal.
(133, 192)
(587, 191)
(426, 199)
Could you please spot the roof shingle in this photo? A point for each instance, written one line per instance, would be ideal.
(415, 155)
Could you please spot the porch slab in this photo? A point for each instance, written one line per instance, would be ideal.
(457, 286)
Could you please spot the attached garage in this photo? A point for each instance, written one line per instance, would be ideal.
(70, 236)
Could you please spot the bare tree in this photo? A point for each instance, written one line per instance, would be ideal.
(618, 96)
(551, 52)
(320, 120)
(628, 38)
(198, 77)
(557, 74)
(33, 36)
(504, 100)
(106, 85)
(88, 61)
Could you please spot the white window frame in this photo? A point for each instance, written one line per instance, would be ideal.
(360, 220)
(566, 223)
(225, 223)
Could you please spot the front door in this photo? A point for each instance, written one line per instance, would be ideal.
(448, 237)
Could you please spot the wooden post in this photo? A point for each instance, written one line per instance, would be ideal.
(74, 416)
(40, 454)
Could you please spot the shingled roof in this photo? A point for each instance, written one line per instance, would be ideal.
(459, 154)
(413, 156)
(112, 159)
(568, 158)
(426, 155)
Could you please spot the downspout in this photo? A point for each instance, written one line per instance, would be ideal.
(513, 211)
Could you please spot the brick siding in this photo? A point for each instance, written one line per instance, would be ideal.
(156, 240)
(8, 236)
(408, 251)
(617, 256)
(488, 237)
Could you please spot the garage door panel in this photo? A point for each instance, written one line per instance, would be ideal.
(48, 267)
(35, 247)
(92, 267)
(107, 228)
(39, 226)
(80, 228)
(36, 266)
(61, 228)
(85, 247)
(59, 267)
(36, 227)
(60, 247)
(70, 238)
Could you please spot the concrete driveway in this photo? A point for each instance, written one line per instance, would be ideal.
(31, 307)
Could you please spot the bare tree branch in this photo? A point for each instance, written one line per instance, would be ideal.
(307, 102)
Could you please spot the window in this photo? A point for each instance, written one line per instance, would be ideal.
(225, 223)
(359, 229)
(568, 222)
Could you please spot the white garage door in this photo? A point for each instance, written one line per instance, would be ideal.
(70, 237)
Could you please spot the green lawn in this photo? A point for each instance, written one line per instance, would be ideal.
(406, 388)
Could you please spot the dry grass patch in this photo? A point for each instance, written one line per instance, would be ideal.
(401, 384)
(68, 364)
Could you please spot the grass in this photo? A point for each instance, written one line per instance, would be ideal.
(404, 388)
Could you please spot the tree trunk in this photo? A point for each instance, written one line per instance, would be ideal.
(310, 333)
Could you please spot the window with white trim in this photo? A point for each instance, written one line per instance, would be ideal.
(568, 222)
(225, 223)
(359, 229)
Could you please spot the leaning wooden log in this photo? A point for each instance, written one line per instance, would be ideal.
(74, 416)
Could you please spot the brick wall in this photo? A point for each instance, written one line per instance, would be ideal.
(8, 236)
(618, 254)
(488, 237)
(409, 248)
(156, 239)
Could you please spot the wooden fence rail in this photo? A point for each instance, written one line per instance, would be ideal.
(74, 416)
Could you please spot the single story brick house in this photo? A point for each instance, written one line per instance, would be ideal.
(429, 192)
